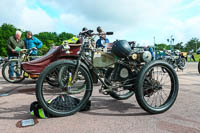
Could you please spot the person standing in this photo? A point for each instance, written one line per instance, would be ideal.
(101, 42)
(14, 43)
(191, 55)
(32, 42)
(150, 49)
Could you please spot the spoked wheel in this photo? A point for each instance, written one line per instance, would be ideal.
(182, 63)
(13, 68)
(156, 89)
(118, 93)
(58, 100)
(52, 78)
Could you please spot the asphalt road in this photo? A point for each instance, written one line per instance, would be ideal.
(106, 115)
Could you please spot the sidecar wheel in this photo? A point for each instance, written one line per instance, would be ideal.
(156, 90)
(58, 101)
(5, 72)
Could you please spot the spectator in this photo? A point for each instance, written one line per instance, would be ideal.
(150, 49)
(101, 42)
(191, 55)
(32, 42)
(14, 43)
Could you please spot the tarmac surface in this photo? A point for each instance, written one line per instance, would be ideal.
(107, 115)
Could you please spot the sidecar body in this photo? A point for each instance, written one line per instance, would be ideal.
(36, 66)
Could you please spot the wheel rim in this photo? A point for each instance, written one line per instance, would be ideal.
(158, 87)
(50, 95)
(18, 73)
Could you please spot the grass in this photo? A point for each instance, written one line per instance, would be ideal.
(196, 56)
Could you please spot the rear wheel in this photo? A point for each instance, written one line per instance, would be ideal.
(12, 72)
(59, 100)
(118, 93)
(156, 90)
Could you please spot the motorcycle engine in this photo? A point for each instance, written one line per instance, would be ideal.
(144, 56)
(124, 72)
(121, 73)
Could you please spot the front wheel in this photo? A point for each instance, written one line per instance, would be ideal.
(182, 63)
(12, 72)
(58, 100)
(156, 90)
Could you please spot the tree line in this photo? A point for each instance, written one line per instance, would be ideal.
(48, 38)
(193, 43)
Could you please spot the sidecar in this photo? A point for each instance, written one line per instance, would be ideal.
(35, 67)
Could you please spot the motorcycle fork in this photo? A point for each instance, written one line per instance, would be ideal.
(76, 71)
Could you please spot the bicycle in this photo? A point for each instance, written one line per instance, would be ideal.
(15, 64)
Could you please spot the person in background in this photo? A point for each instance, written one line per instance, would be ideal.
(191, 55)
(32, 42)
(14, 43)
(150, 49)
(101, 42)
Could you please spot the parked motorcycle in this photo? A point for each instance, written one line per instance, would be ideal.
(176, 60)
(155, 83)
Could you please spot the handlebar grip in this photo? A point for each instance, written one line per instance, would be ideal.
(109, 33)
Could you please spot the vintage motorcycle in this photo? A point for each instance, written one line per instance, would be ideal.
(154, 83)
(176, 60)
(26, 68)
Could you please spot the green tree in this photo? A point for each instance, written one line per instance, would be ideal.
(179, 46)
(192, 44)
(161, 46)
(64, 36)
(6, 30)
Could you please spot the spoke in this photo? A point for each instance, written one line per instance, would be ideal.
(153, 98)
(148, 99)
(162, 96)
(165, 93)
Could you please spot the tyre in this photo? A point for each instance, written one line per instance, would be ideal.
(199, 67)
(49, 96)
(119, 93)
(156, 90)
(17, 70)
(182, 63)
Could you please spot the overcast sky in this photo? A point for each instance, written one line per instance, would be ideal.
(132, 20)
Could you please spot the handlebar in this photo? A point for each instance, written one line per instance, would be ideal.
(89, 33)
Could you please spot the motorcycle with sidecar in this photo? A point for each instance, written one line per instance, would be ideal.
(26, 68)
(128, 71)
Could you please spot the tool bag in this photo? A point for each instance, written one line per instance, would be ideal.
(62, 101)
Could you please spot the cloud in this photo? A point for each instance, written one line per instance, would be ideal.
(184, 30)
(21, 16)
(36, 20)
(128, 19)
